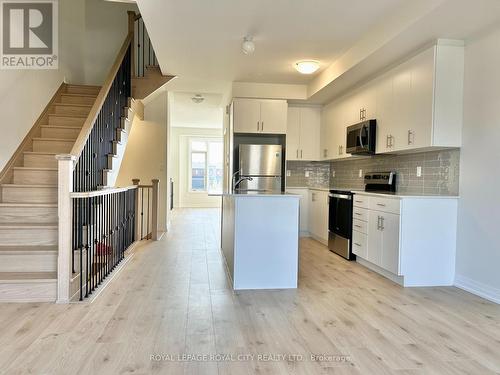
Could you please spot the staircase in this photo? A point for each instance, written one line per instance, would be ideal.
(28, 200)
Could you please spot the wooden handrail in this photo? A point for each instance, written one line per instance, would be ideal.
(99, 102)
(99, 193)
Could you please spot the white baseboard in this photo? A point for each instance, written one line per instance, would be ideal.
(475, 287)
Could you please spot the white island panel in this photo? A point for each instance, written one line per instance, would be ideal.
(266, 235)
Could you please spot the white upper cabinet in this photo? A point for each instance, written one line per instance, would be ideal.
(310, 123)
(417, 105)
(303, 133)
(425, 102)
(260, 116)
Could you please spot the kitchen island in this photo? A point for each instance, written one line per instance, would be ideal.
(260, 233)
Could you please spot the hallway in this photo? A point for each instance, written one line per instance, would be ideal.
(172, 301)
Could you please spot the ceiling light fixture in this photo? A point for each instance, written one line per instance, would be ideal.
(198, 98)
(248, 46)
(307, 66)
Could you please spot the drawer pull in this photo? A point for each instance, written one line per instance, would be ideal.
(357, 244)
(381, 204)
(357, 226)
(358, 201)
(357, 213)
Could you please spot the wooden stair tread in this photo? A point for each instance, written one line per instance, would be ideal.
(29, 185)
(35, 169)
(54, 139)
(86, 86)
(73, 105)
(79, 95)
(27, 249)
(28, 205)
(40, 153)
(69, 116)
(59, 127)
(29, 226)
(27, 276)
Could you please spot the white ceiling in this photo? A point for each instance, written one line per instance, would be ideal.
(203, 38)
(187, 114)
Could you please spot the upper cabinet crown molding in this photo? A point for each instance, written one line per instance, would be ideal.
(267, 116)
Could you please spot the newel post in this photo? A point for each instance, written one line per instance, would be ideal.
(138, 216)
(65, 187)
(154, 209)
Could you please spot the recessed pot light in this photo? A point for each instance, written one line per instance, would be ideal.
(307, 66)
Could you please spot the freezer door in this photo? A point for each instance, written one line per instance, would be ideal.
(264, 184)
(260, 160)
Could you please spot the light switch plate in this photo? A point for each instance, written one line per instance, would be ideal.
(360, 173)
(288, 173)
(307, 174)
(419, 171)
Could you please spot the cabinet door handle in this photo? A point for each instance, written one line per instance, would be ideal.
(378, 222)
(357, 213)
(262, 126)
(381, 204)
(360, 114)
(258, 126)
(297, 153)
(357, 244)
(392, 141)
(357, 226)
(301, 154)
(387, 141)
(382, 223)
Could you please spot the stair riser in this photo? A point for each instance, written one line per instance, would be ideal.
(61, 133)
(33, 177)
(57, 147)
(29, 194)
(69, 110)
(35, 261)
(38, 215)
(66, 121)
(40, 161)
(85, 90)
(28, 291)
(87, 100)
(28, 236)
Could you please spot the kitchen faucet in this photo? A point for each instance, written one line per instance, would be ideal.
(242, 178)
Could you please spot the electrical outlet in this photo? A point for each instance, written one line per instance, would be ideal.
(288, 173)
(419, 171)
(360, 173)
(333, 173)
(307, 174)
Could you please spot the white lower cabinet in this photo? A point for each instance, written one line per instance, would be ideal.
(318, 215)
(303, 208)
(411, 240)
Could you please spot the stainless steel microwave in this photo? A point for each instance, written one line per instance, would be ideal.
(361, 138)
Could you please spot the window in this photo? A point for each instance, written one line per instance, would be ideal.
(206, 165)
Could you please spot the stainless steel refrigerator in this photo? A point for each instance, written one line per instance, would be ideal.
(263, 164)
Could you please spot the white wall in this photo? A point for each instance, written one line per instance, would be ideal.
(478, 253)
(146, 153)
(179, 154)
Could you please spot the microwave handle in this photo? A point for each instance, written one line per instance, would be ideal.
(360, 136)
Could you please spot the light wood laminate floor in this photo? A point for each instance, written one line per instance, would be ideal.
(173, 299)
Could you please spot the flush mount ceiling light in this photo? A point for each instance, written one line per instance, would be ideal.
(198, 98)
(248, 46)
(307, 66)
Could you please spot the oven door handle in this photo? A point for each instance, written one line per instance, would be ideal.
(340, 196)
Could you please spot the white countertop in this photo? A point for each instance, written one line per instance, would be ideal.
(385, 195)
(255, 194)
(404, 195)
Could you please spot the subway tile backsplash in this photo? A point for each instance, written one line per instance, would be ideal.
(319, 174)
(440, 172)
